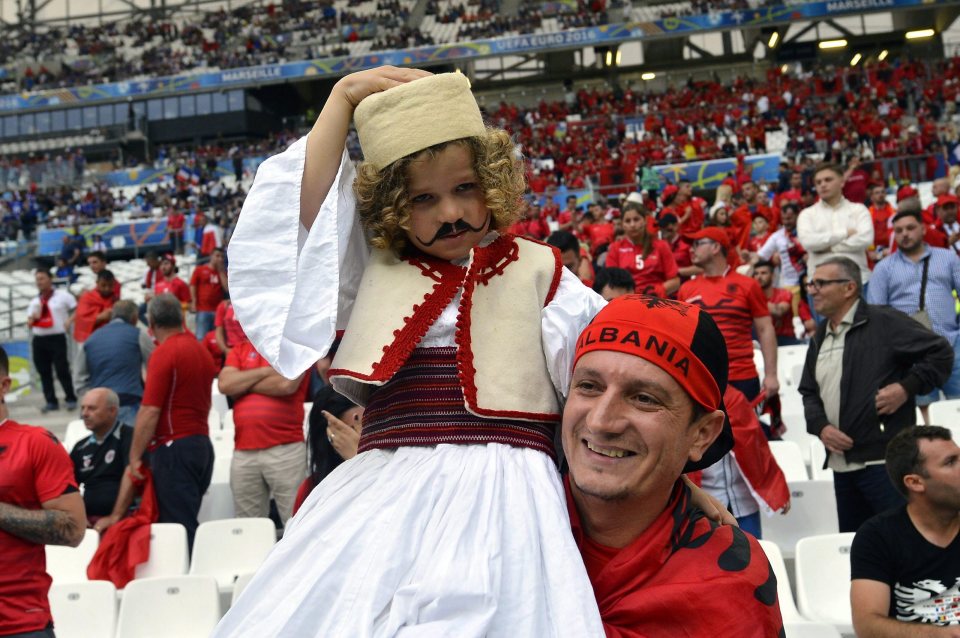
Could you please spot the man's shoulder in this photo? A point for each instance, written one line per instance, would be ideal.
(30, 433)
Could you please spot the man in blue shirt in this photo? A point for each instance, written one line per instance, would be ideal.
(897, 281)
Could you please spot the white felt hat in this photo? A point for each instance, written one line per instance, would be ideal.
(411, 117)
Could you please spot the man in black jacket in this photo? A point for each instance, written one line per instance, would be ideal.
(863, 369)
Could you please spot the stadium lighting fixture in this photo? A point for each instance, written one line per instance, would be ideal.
(855, 60)
(883, 55)
(609, 59)
(784, 68)
(648, 76)
(774, 37)
(617, 60)
(920, 33)
(832, 44)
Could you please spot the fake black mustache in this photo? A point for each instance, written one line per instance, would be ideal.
(459, 226)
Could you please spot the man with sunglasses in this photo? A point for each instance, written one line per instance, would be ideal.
(864, 368)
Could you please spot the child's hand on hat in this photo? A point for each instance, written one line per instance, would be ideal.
(359, 85)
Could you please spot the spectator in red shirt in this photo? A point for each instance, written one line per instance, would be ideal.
(855, 182)
(568, 216)
(738, 306)
(648, 260)
(93, 307)
(679, 199)
(270, 457)
(211, 238)
(39, 505)
(97, 261)
(531, 224)
(679, 245)
(754, 205)
(780, 303)
(176, 224)
(881, 212)
(206, 292)
(597, 231)
(167, 281)
(171, 433)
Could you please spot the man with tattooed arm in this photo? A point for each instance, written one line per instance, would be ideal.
(39, 505)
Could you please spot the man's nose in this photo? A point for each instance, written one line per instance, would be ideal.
(606, 416)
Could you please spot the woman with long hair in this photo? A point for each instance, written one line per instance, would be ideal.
(649, 259)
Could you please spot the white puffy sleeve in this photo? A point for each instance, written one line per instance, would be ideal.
(562, 320)
(292, 289)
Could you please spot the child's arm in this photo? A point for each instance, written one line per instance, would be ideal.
(329, 134)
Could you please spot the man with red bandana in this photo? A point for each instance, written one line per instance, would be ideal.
(645, 406)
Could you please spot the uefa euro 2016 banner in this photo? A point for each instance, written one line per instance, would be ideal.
(146, 176)
(143, 235)
(449, 53)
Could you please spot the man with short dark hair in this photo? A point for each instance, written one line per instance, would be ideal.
(881, 212)
(168, 282)
(646, 405)
(614, 282)
(206, 292)
(39, 505)
(784, 245)
(898, 282)
(97, 261)
(678, 245)
(114, 357)
(835, 226)
(780, 303)
(905, 563)
(863, 369)
(739, 307)
(93, 307)
(48, 315)
(571, 255)
(100, 460)
(171, 433)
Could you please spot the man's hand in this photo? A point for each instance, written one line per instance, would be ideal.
(710, 506)
(103, 523)
(134, 469)
(771, 386)
(890, 398)
(345, 437)
(835, 440)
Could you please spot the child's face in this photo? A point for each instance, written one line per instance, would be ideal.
(448, 215)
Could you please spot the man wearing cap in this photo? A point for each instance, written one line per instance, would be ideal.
(645, 405)
(946, 209)
(835, 226)
(738, 305)
(898, 282)
(938, 188)
(864, 367)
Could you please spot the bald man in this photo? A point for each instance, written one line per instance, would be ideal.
(99, 460)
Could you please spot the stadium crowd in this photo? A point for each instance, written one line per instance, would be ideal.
(821, 244)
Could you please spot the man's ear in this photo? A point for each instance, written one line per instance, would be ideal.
(706, 429)
(914, 483)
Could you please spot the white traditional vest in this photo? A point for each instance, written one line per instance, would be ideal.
(500, 359)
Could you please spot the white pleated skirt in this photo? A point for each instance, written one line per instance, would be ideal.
(451, 540)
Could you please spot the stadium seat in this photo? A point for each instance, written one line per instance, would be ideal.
(790, 356)
(823, 579)
(76, 431)
(168, 552)
(170, 607)
(217, 503)
(818, 454)
(84, 610)
(790, 459)
(947, 414)
(808, 629)
(225, 549)
(69, 564)
(813, 511)
(788, 608)
(242, 581)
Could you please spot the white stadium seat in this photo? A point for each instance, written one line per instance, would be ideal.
(227, 549)
(790, 459)
(823, 579)
(170, 607)
(76, 431)
(69, 564)
(168, 552)
(813, 511)
(242, 581)
(84, 610)
(818, 454)
(947, 414)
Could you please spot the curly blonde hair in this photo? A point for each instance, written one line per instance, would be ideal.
(383, 202)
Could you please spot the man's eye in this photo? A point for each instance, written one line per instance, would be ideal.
(587, 386)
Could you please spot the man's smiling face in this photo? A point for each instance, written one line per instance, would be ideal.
(627, 428)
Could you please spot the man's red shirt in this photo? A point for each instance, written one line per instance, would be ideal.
(180, 378)
(783, 325)
(34, 469)
(174, 286)
(264, 421)
(599, 234)
(734, 301)
(209, 288)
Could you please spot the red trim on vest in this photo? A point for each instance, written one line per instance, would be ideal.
(465, 368)
(557, 275)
